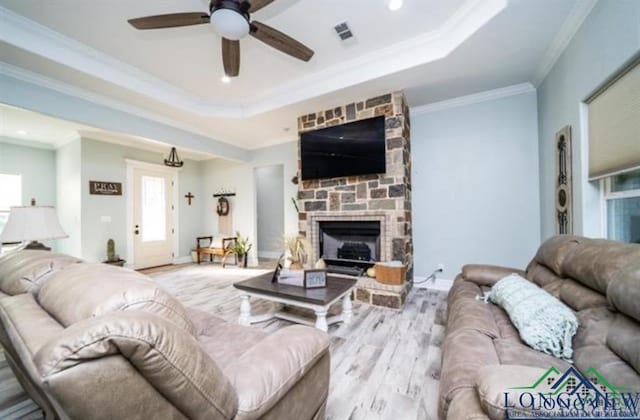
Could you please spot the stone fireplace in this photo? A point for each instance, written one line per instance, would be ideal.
(377, 199)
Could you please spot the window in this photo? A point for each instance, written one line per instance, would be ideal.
(10, 195)
(622, 206)
(154, 217)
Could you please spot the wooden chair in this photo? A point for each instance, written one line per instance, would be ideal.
(221, 249)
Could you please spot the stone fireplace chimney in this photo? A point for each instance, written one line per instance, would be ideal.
(385, 198)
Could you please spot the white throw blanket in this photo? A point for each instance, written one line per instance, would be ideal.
(544, 323)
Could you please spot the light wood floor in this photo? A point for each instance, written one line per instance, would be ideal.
(385, 363)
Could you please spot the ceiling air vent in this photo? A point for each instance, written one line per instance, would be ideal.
(343, 31)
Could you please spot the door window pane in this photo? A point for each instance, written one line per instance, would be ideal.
(623, 222)
(154, 215)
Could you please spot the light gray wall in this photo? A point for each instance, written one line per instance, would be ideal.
(285, 154)
(69, 197)
(270, 206)
(475, 185)
(106, 162)
(37, 167)
(219, 174)
(606, 40)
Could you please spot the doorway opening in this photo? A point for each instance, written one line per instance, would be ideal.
(269, 181)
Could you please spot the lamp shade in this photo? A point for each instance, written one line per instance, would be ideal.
(32, 223)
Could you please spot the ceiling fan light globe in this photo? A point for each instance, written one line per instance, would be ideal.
(229, 24)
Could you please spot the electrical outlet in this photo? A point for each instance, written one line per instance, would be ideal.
(440, 268)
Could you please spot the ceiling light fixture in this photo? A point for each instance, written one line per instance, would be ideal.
(394, 5)
(21, 132)
(173, 161)
(226, 79)
(230, 21)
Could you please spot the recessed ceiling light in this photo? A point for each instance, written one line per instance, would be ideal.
(21, 132)
(226, 79)
(394, 5)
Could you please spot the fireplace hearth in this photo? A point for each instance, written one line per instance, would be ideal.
(349, 247)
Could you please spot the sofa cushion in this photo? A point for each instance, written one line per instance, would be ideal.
(463, 353)
(601, 358)
(89, 290)
(165, 355)
(496, 386)
(544, 323)
(553, 252)
(223, 341)
(541, 275)
(580, 297)
(464, 405)
(594, 326)
(267, 371)
(624, 339)
(624, 290)
(487, 275)
(466, 311)
(597, 262)
(514, 353)
(24, 271)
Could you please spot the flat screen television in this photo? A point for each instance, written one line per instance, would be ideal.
(356, 148)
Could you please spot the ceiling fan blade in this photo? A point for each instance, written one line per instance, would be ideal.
(231, 57)
(255, 5)
(169, 21)
(280, 41)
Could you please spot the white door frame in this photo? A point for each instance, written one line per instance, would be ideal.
(136, 164)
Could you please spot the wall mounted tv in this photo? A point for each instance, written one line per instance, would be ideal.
(356, 148)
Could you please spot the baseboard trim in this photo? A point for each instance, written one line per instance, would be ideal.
(182, 260)
(268, 254)
(440, 284)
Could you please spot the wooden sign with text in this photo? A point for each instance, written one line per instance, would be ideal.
(105, 188)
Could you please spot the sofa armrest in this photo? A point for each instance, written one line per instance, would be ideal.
(487, 275)
(266, 372)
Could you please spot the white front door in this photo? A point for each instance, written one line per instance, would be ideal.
(152, 218)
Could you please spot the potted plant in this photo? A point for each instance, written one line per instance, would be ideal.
(241, 248)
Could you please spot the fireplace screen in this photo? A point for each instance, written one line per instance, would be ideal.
(353, 243)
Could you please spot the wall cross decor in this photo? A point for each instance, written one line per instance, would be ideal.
(189, 197)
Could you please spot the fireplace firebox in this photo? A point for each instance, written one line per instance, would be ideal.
(349, 247)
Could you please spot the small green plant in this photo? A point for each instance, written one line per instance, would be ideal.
(242, 245)
(111, 250)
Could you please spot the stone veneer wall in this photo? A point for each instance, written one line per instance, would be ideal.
(367, 196)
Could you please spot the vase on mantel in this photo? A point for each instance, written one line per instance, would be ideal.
(295, 265)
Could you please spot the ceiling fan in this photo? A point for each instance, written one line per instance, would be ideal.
(231, 19)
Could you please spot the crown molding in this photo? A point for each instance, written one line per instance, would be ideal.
(35, 144)
(40, 40)
(571, 25)
(425, 48)
(76, 92)
(475, 98)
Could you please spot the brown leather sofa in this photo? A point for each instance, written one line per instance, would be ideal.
(598, 279)
(101, 342)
